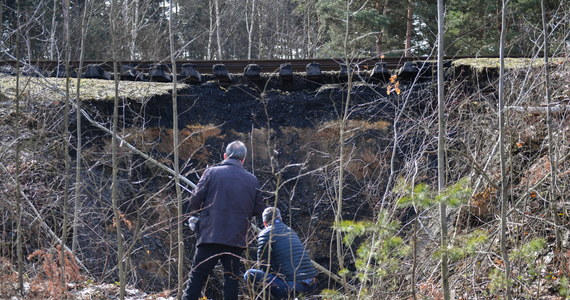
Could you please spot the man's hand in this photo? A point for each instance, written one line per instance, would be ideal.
(192, 222)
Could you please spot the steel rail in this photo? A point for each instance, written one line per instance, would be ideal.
(238, 66)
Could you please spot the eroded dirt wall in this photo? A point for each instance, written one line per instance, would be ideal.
(293, 141)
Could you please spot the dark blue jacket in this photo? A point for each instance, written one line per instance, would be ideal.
(281, 248)
(226, 197)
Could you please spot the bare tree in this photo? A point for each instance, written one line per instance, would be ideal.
(409, 27)
(52, 33)
(19, 238)
(78, 160)
(441, 174)
(134, 31)
(382, 8)
(136, 17)
(65, 137)
(311, 35)
(260, 48)
(210, 29)
(344, 118)
(552, 194)
(114, 150)
(175, 133)
(217, 16)
(249, 24)
(502, 152)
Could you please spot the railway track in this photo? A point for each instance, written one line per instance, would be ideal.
(196, 67)
(232, 66)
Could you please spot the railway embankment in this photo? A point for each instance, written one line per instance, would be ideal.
(291, 124)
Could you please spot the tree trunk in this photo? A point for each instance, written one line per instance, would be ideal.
(307, 30)
(19, 239)
(502, 152)
(259, 33)
(117, 213)
(210, 30)
(249, 23)
(1, 13)
(409, 24)
(65, 137)
(77, 204)
(218, 37)
(135, 31)
(175, 135)
(28, 41)
(415, 256)
(382, 8)
(551, 141)
(344, 119)
(441, 148)
(126, 20)
(52, 34)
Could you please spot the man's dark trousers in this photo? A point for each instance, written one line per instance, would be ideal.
(205, 259)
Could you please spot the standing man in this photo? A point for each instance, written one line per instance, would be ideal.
(226, 197)
(280, 251)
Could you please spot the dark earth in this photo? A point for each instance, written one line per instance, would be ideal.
(293, 112)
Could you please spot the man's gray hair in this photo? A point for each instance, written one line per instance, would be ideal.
(236, 150)
(270, 214)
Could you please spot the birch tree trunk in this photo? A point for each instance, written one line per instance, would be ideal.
(134, 31)
(502, 151)
(307, 26)
(249, 24)
(218, 37)
(441, 148)
(210, 30)
(260, 32)
(52, 33)
(409, 26)
(127, 25)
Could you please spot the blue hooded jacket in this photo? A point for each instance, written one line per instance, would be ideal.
(280, 247)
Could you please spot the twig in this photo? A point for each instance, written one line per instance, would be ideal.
(137, 151)
(476, 167)
(539, 109)
(541, 180)
(44, 225)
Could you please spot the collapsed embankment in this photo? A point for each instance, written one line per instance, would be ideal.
(292, 129)
(292, 132)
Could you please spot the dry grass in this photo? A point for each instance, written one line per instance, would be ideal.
(480, 64)
(8, 278)
(48, 283)
(53, 89)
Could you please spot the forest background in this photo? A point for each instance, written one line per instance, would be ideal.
(254, 29)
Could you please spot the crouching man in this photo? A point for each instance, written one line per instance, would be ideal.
(282, 254)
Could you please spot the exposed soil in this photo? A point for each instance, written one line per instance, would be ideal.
(292, 132)
(299, 121)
